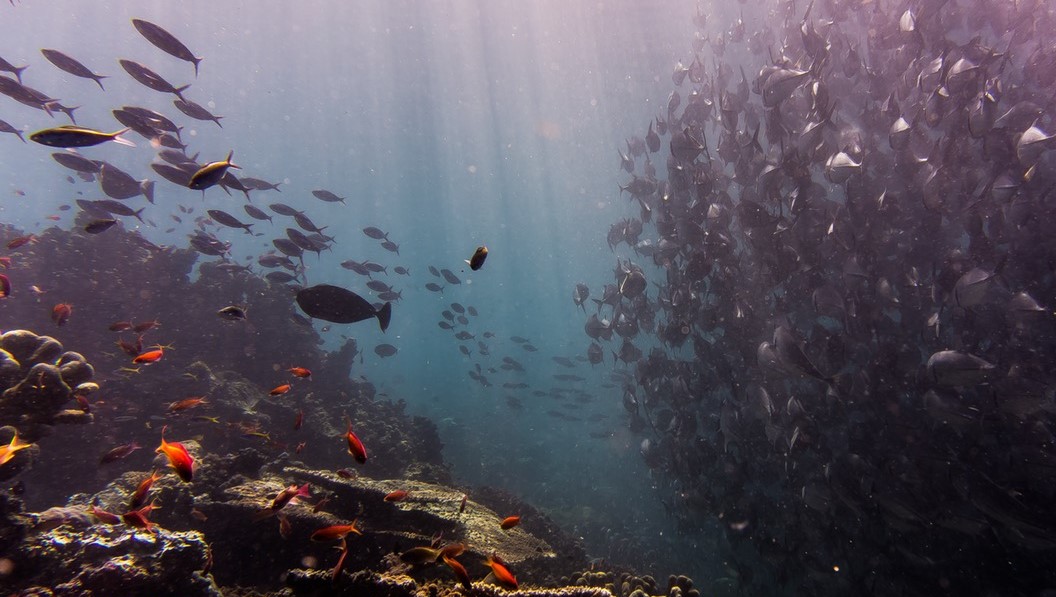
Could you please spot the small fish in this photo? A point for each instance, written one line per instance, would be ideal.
(462, 506)
(232, 313)
(460, 572)
(289, 495)
(21, 241)
(298, 421)
(280, 390)
(300, 372)
(501, 572)
(5, 286)
(119, 453)
(509, 522)
(186, 403)
(335, 532)
(144, 326)
(149, 357)
(198, 515)
(396, 496)
(179, 459)
(139, 496)
(477, 260)
(97, 226)
(166, 42)
(345, 473)
(205, 419)
(78, 136)
(211, 173)
(355, 447)
(8, 452)
(61, 312)
(103, 516)
(137, 519)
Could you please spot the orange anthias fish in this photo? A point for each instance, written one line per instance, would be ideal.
(186, 403)
(279, 390)
(179, 459)
(140, 495)
(460, 572)
(5, 286)
(8, 452)
(396, 496)
(137, 519)
(289, 495)
(509, 522)
(148, 358)
(22, 240)
(501, 572)
(355, 447)
(299, 420)
(61, 312)
(333, 533)
(300, 372)
(103, 516)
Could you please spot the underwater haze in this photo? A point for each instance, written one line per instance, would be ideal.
(757, 294)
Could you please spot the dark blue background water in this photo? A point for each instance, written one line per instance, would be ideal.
(447, 124)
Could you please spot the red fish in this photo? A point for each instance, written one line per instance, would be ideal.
(300, 447)
(8, 452)
(335, 532)
(300, 372)
(5, 262)
(149, 357)
(143, 326)
(54, 218)
(344, 473)
(21, 241)
(396, 496)
(186, 403)
(460, 572)
(61, 312)
(179, 459)
(140, 494)
(120, 326)
(501, 572)
(119, 452)
(138, 518)
(355, 447)
(103, 516)
(286, 496)
(299, 420)
(5, 286)
(462, 506)
(279, 390)
(509, 522)
(340, 562)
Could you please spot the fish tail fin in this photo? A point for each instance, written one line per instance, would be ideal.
(384, 315)
(18, 73)
(179, 91)
(117, 138)
(217, 121)
(138, 216)
(148, 189)
(99, 81)
(196, 61)
(231, 164)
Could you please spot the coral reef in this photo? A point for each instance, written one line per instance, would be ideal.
(39, 378)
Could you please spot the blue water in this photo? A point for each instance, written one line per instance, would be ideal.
(449, 125)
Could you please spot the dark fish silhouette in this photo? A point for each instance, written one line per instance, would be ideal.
(338, 305)
(72, 66)
(166, 42)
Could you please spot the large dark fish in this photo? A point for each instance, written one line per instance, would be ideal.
(72, 66)
(338, 305)
(166, 42)
(226, 219)
(329, 197)
(196, 112)
(151, 79)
